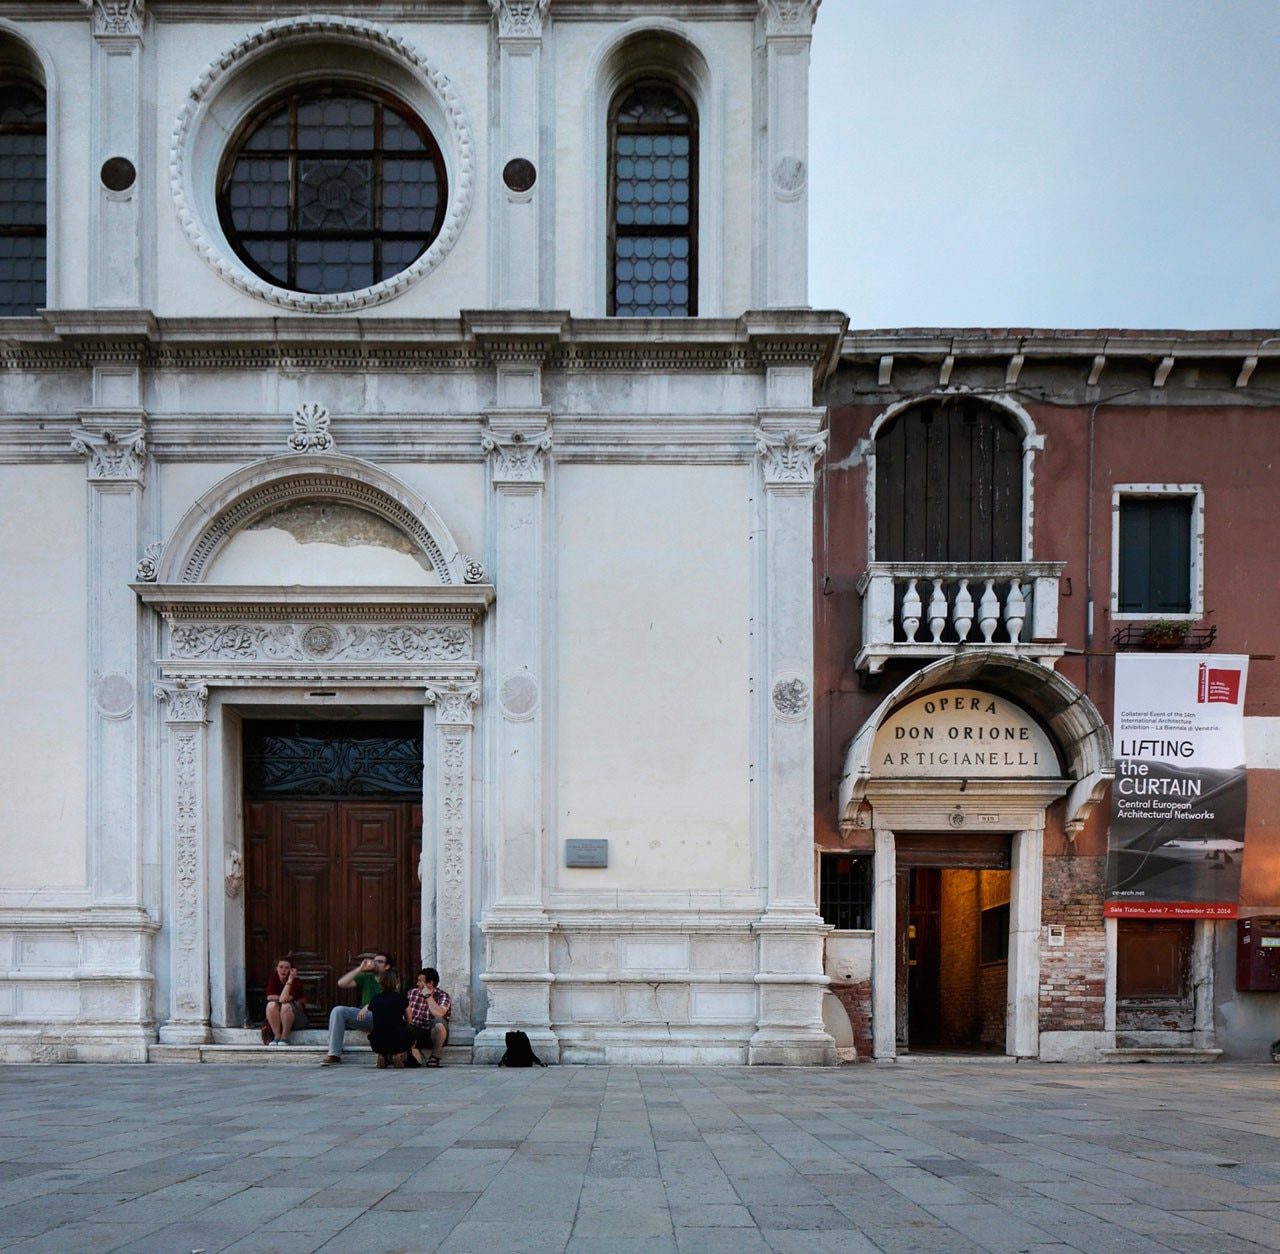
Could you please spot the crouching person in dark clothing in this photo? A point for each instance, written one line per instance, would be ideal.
(391, 1038)
(429, 1016)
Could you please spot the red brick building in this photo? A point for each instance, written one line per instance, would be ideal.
(1000, 513)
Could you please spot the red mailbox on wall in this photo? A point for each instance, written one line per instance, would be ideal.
(1258, 955)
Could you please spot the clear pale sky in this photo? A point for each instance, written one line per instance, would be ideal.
(1046, 163)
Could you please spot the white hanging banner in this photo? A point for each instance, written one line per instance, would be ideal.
(1179, 795)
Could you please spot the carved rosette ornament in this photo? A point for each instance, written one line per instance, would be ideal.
(790, 458)
(113, 457)
(117, 18)
(517, 456)
(520, 18)
(311, 430)
(455, 704)
(789, 17)
(472, 570)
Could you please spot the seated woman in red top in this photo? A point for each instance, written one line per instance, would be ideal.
(286, 1008)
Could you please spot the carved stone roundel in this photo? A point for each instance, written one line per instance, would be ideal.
(791, 697)
(114, 696)
(319, 641)
(518, 697)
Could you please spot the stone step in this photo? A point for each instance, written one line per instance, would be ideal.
(1161, 1053)
(244, 1045)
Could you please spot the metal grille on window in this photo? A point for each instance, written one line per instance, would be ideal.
(316, 759)
(332, 190)
(653, 210)
(845, 891)
(22, 200)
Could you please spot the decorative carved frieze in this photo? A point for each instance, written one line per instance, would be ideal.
(114, 457)
(520, 18)
(188, 925)
(324, 642)
(455, 704)
(451, 882)
(789, 17)
(790, 458)
(117, 18)
(186, 702)
(517, 455)
(311, 430)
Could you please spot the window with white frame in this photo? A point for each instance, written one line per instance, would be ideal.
(1157, 551)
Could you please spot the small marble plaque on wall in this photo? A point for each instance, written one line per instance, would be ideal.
(586, 853)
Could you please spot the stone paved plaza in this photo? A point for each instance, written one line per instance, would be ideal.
(939, 1156)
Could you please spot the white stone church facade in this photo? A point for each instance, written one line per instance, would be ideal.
(524, 461)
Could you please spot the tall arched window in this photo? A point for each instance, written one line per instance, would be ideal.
(949, 484)
(653, 203)
(22, 199)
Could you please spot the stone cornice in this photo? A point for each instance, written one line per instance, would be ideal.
(234, 602)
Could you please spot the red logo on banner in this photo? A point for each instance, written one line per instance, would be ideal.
(1218, 685)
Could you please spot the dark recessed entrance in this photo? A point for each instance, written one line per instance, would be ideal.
(333, 834)
(953, 942)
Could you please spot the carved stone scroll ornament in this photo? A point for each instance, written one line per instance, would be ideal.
(789, 17)
(472, 570)
(234, 878)
(520, 17)
(117, 18)
(311, 430)
(325, 642)
(790, 458)
(455, 704)
(112, 457)
(149, 562)
(517, 456)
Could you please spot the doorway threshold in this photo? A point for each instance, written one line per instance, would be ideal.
(947, 1058)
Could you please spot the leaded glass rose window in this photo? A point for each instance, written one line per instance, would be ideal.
(332, 189)
(653, 203)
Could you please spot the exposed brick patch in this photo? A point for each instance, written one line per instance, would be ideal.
(1072, 978)
(856, 999)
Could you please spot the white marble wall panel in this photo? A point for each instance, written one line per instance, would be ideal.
(723, 1005)
(47, 949)
(667, 784)
(43, 743)
(584, 1005)
(722, 954)
(659, 955)
(47, 1001)
(655, 1003)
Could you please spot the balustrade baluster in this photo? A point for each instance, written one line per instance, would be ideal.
(911, 611)
(962, 611)
(988, 611)
(1015, 611)
(937, 611)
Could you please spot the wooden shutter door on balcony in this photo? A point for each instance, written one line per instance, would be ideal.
(949, 485)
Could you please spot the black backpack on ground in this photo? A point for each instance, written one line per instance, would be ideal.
(519, 1052)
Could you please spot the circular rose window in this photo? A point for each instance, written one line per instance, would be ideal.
(331, 188)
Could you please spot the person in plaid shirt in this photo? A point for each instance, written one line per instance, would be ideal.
(429, 1016)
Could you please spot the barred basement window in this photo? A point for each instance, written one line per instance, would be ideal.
(845, 891)
(653, 203)
(332, 189)
(22, 200)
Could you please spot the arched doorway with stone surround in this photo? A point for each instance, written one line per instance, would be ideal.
(964, 760)
(304, 589)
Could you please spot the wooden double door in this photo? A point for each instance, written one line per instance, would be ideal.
(328, 878)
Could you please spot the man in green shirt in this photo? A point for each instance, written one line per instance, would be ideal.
(364, 979)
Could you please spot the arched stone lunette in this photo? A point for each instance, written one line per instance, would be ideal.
(254, 490)
(1073, 720)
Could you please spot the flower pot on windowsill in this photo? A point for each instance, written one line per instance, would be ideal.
(1167, 635)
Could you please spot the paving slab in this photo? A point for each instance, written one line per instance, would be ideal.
(926, 1159)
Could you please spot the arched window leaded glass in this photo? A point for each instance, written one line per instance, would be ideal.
(653, 210)
(332, 189)
(22, 199)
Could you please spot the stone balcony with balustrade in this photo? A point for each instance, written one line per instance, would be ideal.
(928, 610)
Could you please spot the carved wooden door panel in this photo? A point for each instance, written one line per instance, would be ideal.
(330, 878)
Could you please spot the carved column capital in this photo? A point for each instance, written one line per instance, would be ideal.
(519, 18)
(117, 18)
(517, 453)
(114, 455)
(788, 17)
(790, 457)
(185, 702)
(455, 704)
